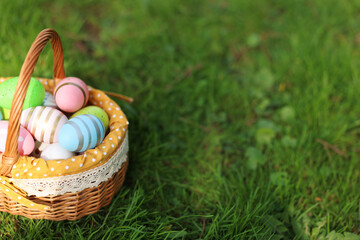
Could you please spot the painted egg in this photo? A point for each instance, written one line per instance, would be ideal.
(81, 133)
(25, 142)
(71, 94)
(34, 96)
(49, 100)
(96, 111)
(5, 113)
(44, 123)
(39, 147)
(55, 151)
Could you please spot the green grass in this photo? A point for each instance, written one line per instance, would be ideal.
(246, 119)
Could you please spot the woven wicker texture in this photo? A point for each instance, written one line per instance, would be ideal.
(11, 154)
(69, 206)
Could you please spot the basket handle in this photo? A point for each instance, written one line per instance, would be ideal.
(10, 156)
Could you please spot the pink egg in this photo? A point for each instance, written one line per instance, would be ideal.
(71, 94)
(25, 143)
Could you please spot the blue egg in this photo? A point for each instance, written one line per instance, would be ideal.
(81, 133)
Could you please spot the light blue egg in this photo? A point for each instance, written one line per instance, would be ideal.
(81, 133)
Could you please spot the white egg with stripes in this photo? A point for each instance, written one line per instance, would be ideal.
(44, 123)
(81, 133)
(49, 100)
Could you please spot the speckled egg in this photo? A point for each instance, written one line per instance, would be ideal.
(71, 94)
(44, 123)
(25, 142)
(34, 96)
(81, 133)
(5, 113)
(96, 111)
(55, 151)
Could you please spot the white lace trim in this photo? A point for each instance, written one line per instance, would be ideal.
(76, 182)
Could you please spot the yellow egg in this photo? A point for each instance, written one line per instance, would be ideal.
(96, 111)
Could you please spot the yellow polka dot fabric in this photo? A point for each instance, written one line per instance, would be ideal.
(18, 195)
(37, 168)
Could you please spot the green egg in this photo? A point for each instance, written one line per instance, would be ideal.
(96, 111)
(5, 113)
(34, 96)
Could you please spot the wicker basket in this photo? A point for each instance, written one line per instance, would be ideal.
(89, 191)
